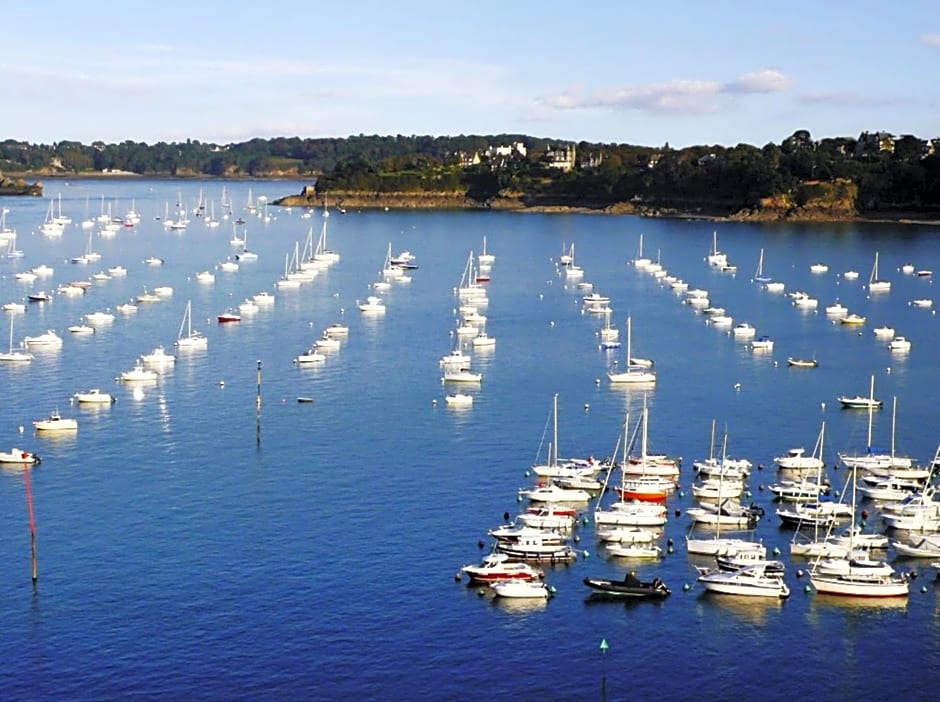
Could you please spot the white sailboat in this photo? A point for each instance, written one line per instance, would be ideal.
(322, 253)
(874, 284)
(759, 276)
(641, 262)
(856, 575)
(715, 257)
(15, 355)
(610, 336)
(187, 338)
(635, 372)
(485, 258)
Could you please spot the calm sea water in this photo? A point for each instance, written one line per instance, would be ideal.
(178, 559)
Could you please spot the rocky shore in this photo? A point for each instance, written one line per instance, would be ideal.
(18, 186)
(811, 206)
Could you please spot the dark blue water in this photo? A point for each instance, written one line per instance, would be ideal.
(177, 559)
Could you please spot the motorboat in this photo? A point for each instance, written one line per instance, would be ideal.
(804, 490)
(94, 396)
(56, 422)
(459, 400)
(821, 513)
(650, 488)
(139, 374)
(153, 261)
(373, 305)
(802, 362)
(796, 459)
(461, 375)
(538, 548)
(14, 307)
(205, 277)
(483, 340)
(752, 581)
(729, 512)
(899, 343)
(717, 545)
(310, 356)
(853, 319)
(49, 338)
(884, 332)
(859, 402)
(743, 330)
(327, 343)
(456, 359)
(762, 343)
(818, 268)
(81, 329)
(850, 275)
(553, 492)
(127, 308)
(146, 298)
(228, 317)
(248, 306)
(263, 298)
(19, 456)
(497, 567)
(163, 291)
(927, 546)
(922, 302)
(41, 296)
(550, 515)
(632, 513)
(117, 271)
(627, 535)
(337, 329)
(521, 589)
(837, 309)
(634, 550)
(631, 587)
(158, 357)
(99, 317)
(717, 489)
(733, 560)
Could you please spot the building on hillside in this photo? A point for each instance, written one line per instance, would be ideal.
(561, 157)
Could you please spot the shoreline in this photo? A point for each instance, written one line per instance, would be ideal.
(454, 201)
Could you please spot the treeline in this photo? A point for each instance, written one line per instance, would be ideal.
(888, 173)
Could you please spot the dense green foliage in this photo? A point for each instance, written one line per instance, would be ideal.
(890, 173)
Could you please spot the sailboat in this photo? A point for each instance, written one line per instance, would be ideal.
(635, 372)
(880, 462)
(874, 284)
(322, 254)
(5, 231)
(610, 336)
(485, 258)
(246, 254)
(553, 468)
(759, 276)
(571, 269)
(14, 355)
(715, 257)
(190, 339)
(625, 512)
(641, 262)
(50, 227)
(855, 574)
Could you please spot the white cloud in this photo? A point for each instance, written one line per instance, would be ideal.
(931, 39)
(766, 81)
(675, 96)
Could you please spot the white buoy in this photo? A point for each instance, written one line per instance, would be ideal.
(21, 428)
(822, 406)
(737, 386)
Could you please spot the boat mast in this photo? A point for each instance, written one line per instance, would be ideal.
(553, 449)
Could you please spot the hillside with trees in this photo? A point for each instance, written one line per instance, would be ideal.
(875, 174)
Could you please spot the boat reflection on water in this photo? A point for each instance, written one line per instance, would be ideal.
(829, 602)
(522, 605)
(754, 610)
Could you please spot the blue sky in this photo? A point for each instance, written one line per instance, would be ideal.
(686, 73)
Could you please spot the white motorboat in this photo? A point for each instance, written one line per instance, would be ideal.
(127, 308)
(752, 581)
(743, 330)
(205, 277)
(56, 422)
(634, 550)
(818, 268)
(461, 375)
(158, 357)
(554, 493)
(899, 344)
(14, 307)
(762, 343)
(94, 396)
(99, 317)
(20, 457)
(803, 490)
(455, 360)
(81, 329)
(139, 374)
(796, 459)
(521, 589)
(263, 298)
(459, 400)
(373, 305)
(927, 546)
(310, 356)
(850, 275)
(337, 329)
(837, 309)
(49, 338)
(922, 302)
(483, 340)
(327, 343)
(117, 271)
